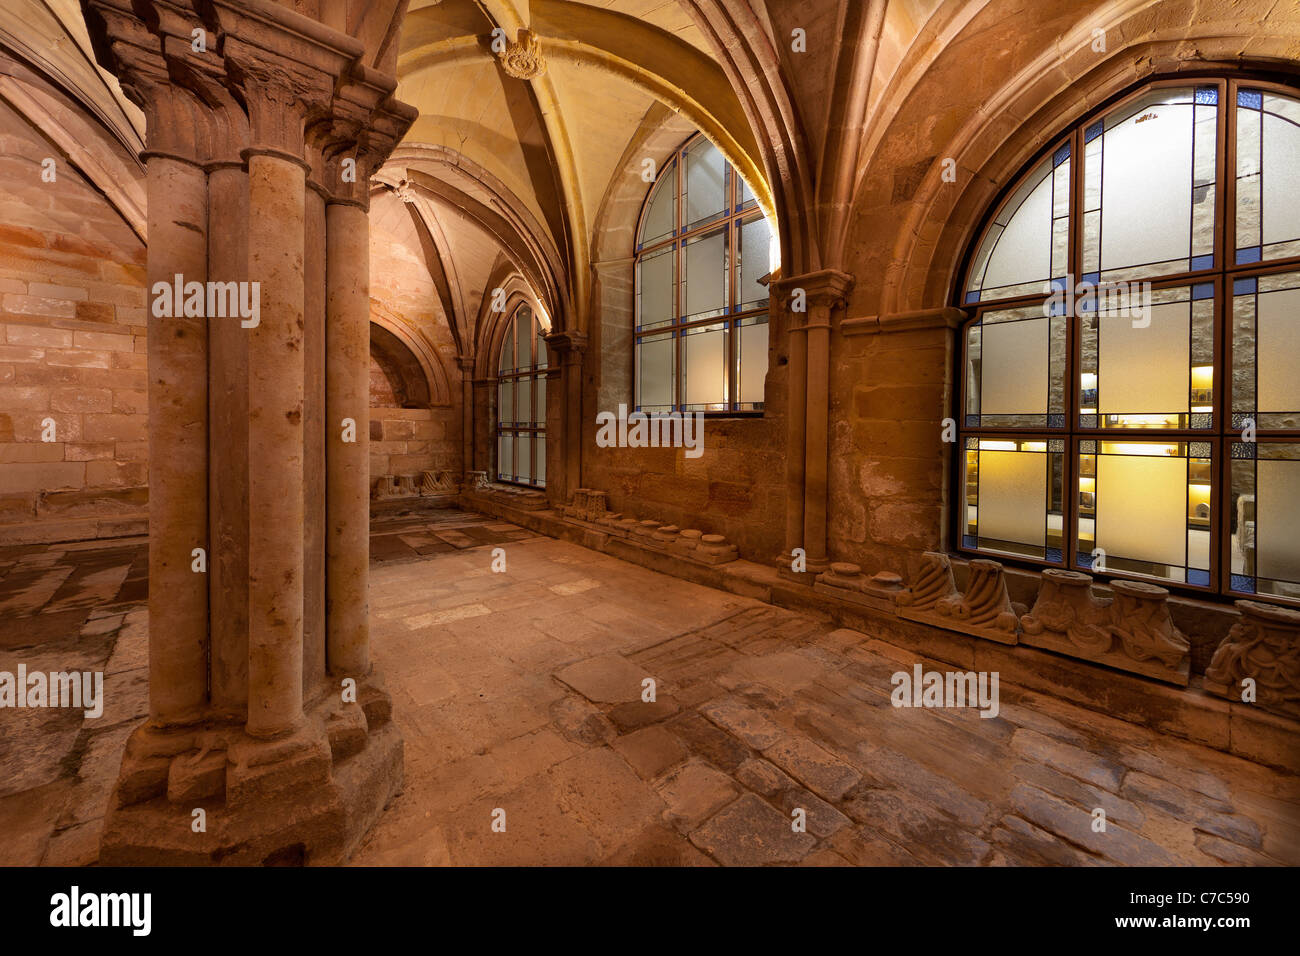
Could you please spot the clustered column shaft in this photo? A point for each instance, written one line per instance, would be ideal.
(347, 463)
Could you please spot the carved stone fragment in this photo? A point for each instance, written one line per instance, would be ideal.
(1132, 632)
(1264, 646)
(984, 610)
(846, 581)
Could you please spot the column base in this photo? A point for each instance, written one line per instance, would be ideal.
(307, 798)
(812, 567)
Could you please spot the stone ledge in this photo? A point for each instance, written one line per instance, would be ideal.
(948, 317)
(76, 529)
(1190, 713)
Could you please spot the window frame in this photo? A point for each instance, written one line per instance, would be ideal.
(736, 215)
(1221, 276)
(532, 373)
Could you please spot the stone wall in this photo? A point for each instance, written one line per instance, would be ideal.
(72, 350)
(736, 488)
(407, 441)
(888, 470)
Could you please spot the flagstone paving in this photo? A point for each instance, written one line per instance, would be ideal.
(524, 691)
(535, 705)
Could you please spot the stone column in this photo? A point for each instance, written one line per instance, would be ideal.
(238, 436)
(812, 300)
(314, 434)
(796, 408)
(569, 348)
(228, 417)
(347, 395)
(178, 411)
(466, 363)
(276, 223)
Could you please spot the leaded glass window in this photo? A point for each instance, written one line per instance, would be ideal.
(521, 401)
(1130, 371)
(703, 250)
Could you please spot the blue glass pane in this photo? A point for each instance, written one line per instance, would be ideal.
(1061, 155)
(1250, 99)
(1243, 583)
(1251, 254)
(1199, 578)
(1202, 262)
(1208, 95)
(1095, 130)
(1244, 286)
(1203, 290)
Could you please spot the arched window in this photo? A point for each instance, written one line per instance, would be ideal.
(701, 311)
(1131, 373)
(521, 401)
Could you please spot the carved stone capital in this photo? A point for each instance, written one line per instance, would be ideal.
(1263, 647)
(567, 343)
(808, 300)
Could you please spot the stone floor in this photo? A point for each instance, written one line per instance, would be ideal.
(521, 691)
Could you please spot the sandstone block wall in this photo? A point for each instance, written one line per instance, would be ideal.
(407, 441)
(72, 350)
(887, 480)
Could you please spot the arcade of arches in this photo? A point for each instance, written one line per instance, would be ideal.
(600, 410)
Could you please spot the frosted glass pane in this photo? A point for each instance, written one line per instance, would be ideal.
(506, 401)
(661, 214)
(505, 456)
(1278, 347)
(753, 361)
(1142, 508)
(705, 183)
(524, 400)
(539, 413)
(542, 359)
(1277, 520)
(746, 194)
(655, 372)
(1024, 252)
(523, 459)
(1146, 187)
(507, 361)
(1014, 375)
(1281, 170)
(755, 261)
(1013, 496)
(656, 275)
(706, 368)
(1145, 370)
(539, 445)
(704, 273)
(524, 337)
